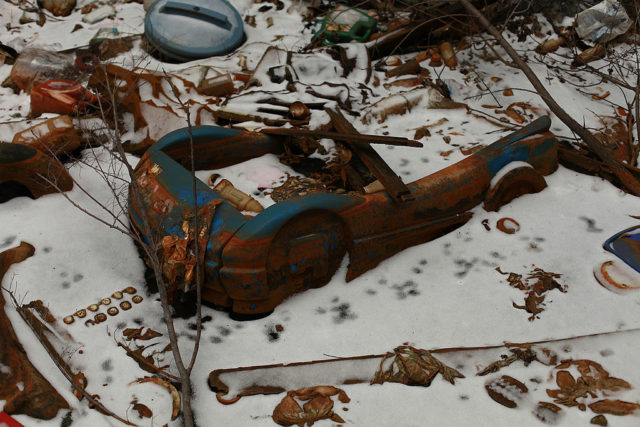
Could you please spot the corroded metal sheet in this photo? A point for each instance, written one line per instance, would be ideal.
(23, 388)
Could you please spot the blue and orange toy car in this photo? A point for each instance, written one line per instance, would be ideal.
(252, 264)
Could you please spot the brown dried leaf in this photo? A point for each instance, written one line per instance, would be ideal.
(598, 96)
(599, 420)
(614, 407)
(504, 388)
(564, 379)
(175, 396)
(421, 132)
(136, 334)
(319, 406)
(143, 410)
(81, 381)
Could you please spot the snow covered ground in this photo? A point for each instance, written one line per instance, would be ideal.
(444, 293)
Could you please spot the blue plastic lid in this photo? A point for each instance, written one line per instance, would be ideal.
(187, 30)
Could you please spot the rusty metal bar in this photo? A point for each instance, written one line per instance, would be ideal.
(355, 138)
(394, 186)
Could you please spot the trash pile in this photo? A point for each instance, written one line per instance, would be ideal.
(193, 174)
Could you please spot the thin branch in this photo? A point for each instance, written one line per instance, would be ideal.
(196, 230)
(630, 183)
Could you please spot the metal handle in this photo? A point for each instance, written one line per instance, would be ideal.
(196, 12)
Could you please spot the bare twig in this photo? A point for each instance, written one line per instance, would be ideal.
(629, 182)
(186, 397)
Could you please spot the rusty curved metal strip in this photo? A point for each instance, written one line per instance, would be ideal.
(36, 398)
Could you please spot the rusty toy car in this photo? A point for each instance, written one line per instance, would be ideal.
(252, 264)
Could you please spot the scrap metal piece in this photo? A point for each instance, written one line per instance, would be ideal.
(512, 184)
(36, 397)
(62, 97)
(348, 137)
(508, 225)
(53, 136)
(25, 170)
(398, 191)
(626, 246)
(617, 278)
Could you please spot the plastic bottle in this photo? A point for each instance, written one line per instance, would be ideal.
(36, 66)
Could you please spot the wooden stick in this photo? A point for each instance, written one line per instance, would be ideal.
(356, 138)
(629, 182)
(394, 186)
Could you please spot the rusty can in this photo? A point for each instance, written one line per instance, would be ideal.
(61, 96)
(53, 136)
(221, 85)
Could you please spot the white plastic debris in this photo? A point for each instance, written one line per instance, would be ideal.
(99, 14)
(603, 22)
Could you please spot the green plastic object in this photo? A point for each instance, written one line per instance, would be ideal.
(344, 24)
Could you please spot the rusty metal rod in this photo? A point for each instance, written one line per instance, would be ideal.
(358, 139)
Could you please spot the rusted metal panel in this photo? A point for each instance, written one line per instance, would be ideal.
(26, 166)
(251, 265)
(35, 397)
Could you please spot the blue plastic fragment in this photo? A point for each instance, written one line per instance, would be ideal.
(626, 246)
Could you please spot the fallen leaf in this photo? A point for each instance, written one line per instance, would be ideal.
(614, 407)
(143, 410)
(81, 381)
(506, 390)
(598, 97)
(136, 334)
(175, 396)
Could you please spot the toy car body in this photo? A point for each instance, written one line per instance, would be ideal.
(252, 264)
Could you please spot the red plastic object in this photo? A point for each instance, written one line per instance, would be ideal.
(6, 420)
(61, 96)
